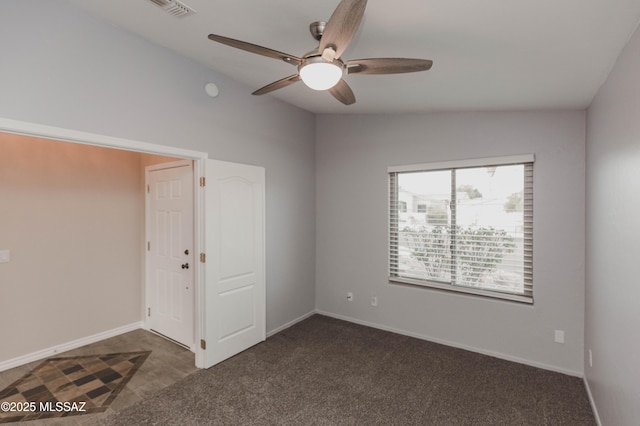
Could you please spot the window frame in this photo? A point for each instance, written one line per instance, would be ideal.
(393, 234)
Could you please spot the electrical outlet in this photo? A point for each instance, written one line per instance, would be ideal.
(374, 301)
(590, 358)
(558, 336)
(349, 297)
(5, 256)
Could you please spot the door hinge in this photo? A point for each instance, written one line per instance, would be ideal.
(202, 181)
(148, 189)
(148, 312)
(203, 344)
(203, 257)
(148, 245)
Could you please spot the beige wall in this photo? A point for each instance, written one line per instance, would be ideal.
(73, 217)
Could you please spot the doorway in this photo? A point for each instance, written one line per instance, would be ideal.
(74, 223)
(222, 331)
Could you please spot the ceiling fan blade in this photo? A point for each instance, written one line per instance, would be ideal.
(277, 85)
(254, 48)
(387, 65)
(343, 93)
(342, 25)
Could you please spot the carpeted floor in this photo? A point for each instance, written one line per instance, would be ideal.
(324, 371)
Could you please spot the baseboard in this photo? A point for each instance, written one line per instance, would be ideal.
(290, 323)
(592, 402)
(54, 350)
(454, 344)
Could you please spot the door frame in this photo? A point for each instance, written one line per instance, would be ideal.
(147, 234)
(199, 160)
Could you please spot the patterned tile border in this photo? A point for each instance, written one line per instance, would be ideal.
(60, 387)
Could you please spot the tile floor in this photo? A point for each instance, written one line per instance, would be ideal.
(166, 364)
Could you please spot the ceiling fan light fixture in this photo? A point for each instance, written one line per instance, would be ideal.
(320, 75)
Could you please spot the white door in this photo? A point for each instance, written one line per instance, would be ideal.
(170, 277)
(234, 293)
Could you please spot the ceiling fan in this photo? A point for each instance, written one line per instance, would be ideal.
(323, 68)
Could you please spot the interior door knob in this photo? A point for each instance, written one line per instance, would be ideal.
(185, 265)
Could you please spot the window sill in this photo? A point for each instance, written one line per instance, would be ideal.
(465, 290)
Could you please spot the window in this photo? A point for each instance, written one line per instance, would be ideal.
(465, 226)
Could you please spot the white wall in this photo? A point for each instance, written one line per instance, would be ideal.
(613, 242)
(352, 155)
(64, 68)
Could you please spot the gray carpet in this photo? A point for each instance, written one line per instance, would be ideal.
(324, 371)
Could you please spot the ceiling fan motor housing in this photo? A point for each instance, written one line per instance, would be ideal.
(317, 29)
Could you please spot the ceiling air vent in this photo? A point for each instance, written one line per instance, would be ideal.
(174, 7)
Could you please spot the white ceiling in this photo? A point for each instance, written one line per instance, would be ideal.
(488, 54)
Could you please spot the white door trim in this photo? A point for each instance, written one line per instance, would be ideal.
(199, 158)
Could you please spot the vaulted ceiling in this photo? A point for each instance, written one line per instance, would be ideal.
(488, 55)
